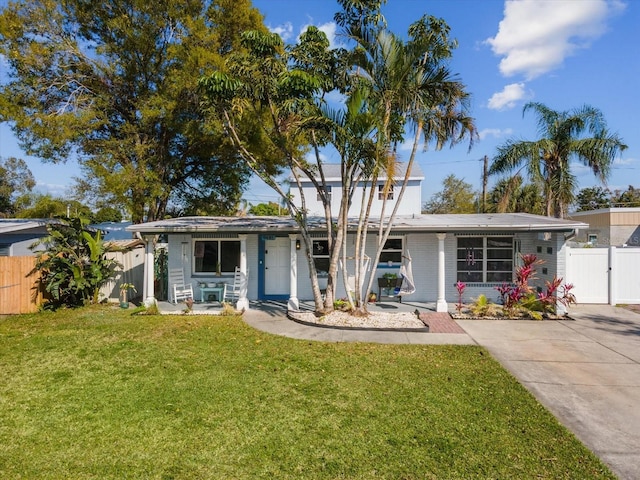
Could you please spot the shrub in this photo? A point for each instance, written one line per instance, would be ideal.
(74, 264)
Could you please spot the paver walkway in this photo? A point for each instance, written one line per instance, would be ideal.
(440, 322)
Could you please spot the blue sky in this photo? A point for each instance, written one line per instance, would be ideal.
(562, 53)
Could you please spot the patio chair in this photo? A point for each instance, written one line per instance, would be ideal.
(180, 289)
(232, 292)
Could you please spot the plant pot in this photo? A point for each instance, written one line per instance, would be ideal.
(124, 304)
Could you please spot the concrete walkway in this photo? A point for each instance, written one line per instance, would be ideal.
(586, 371)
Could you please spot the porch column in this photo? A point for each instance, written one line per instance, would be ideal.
(149, 294)
(441, 303)
(243, 302)
(293, 275)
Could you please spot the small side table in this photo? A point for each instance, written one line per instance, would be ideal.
(205, 292)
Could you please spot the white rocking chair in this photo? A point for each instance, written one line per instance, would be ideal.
(232, 292)
(181, 290)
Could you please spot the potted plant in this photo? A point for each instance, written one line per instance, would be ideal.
(124, 288)
(388, 282)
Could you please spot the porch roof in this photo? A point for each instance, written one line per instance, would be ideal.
(454, 223)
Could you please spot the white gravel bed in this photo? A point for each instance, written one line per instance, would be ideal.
(373, 320)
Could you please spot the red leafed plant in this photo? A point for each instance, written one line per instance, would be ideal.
(460, 286)
(521, 297)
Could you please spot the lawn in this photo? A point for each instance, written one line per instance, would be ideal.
(99, 393)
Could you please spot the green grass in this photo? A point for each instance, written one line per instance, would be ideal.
(98, 393)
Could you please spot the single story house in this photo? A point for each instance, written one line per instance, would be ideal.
(615, 227)
(18, 234)
(481, 250)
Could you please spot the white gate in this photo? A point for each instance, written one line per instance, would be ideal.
(604, 275)
(625, 268)
(588, 271)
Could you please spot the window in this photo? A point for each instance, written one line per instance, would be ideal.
(209, 254)
(485, 259)
(321, 256)
(328, 190)
(391, 252)
(593, 239)
(381, 192)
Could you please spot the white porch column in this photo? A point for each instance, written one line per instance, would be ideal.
(293, 275)
(243, 301)
(441, 304)
(149, 294)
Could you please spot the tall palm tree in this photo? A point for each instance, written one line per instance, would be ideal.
(409, 87)
(580, 134)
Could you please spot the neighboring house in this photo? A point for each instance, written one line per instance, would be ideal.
(480, 249)
(610, 227)
(17, 235)
(411, 200)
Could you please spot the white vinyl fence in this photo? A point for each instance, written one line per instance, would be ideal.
(604, 275)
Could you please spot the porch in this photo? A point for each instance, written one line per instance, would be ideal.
(279, 307)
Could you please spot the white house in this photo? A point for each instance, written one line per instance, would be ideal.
(480, 250)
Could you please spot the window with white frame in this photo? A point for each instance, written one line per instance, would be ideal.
(211, 256)
(381, 191)
(391, 252)
(320, 252)
(592, 239)
(485, 259)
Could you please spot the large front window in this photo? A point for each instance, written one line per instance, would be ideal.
(485, 259)
(215, 256)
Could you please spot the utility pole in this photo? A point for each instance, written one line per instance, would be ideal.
(484, 184)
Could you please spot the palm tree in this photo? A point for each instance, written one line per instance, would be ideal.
(408, 86)
(579, 134)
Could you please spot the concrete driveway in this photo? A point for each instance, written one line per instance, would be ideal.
(586, 371)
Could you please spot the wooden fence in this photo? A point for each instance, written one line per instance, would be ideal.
(19, 285)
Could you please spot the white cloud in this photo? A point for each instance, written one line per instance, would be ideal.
(535, 36)
(508, 97)
(495, 133)
(285, 31)
(623, 162)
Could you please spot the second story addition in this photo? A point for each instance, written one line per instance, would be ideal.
(411, 201)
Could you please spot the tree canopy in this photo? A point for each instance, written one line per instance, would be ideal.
(457, 196)
(115, 84)
(16, 180)
(593, 198)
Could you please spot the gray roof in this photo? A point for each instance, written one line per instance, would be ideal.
(11, 225)
(485, 223)
(332, 172)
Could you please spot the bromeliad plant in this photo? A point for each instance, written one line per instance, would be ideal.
(74, 264)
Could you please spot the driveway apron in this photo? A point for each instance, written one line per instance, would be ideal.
(586, 371)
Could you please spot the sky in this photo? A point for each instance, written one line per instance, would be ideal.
(562, 53)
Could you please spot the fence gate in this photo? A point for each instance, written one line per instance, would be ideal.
(604, 275)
